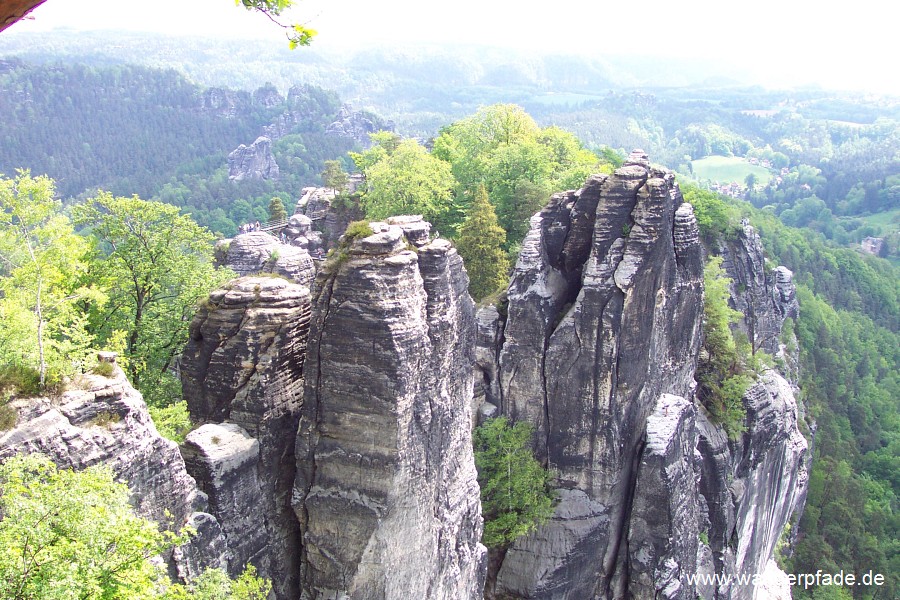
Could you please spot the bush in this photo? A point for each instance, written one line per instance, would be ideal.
(515, 489)
(104, 368)
(173, 422)
(20, 380)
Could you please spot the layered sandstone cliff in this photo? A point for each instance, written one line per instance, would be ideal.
(599, 352)
(386, 491)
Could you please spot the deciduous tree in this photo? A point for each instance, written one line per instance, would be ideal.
(157, 264)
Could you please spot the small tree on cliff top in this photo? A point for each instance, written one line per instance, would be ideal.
(480, 243)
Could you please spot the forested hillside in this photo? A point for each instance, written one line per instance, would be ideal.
(135, 130)
(849, 341)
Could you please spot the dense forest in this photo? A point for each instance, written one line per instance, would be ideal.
(830, 165)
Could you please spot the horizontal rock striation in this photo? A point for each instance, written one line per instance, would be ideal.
(259, 252)
(242, 375)
(105, 421)
(599, 351)
(604, 317)
(386, 490)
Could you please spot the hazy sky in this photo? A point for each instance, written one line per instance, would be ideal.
(787, 42)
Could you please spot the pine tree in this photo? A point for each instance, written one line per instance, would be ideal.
(480, 243)
(277, 213)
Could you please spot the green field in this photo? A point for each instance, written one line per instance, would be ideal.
(887, 222)
(728, 169)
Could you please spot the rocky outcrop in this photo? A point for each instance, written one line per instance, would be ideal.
(259, 252)
(765, 296)
(242, 378)
(255, 161)
(105, 421)
(386, 489)
(320, 218)
(356, 125)
(604, 317)
(224, 103)
(752, 486)
(599, 352)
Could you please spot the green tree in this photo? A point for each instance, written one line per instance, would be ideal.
(277, 213)
(334, 176)
(480, 242)
(721, 373)
(407, 181)
(515, 490)
(503, 148)
(157, 265)
(42, 288)
(72, 534)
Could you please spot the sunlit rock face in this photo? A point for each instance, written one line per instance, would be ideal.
(105, 421)
(386, 491)
(261, 252)
(242, 376)
(604, 318)
(599, 351)
(255, 161)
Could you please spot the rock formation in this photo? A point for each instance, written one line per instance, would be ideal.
(105, 421)
(253, 162)
(766, 297)
(599, 351)
(260, 252)
(242, 378)
(386, 489)
(356, 125)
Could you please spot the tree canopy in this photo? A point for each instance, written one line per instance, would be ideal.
(480, 242)
(72, 534)
(157, 265)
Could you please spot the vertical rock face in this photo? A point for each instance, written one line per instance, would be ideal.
(599, 351)
(766, 297)
(604, 317)
(255, 161)
(386, 489)
(242, 375)
(107, 422)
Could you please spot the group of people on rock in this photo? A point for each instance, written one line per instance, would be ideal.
(248, 227)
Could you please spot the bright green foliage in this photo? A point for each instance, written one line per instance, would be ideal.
(298, 35)
(43, 291)
(173, 421)
(408, 181)
(503, 148)
(515, 490)
(722, 375)
(157, 266)
(70, 534)
(480, 242)
(334, 176)
(214, 584)
(716, 219)
(276, 210)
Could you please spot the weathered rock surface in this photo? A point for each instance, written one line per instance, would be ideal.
(318, 221)
(386, 490)
(255, 161)
(106, 422)
(765, 296)
(754, 485)
(260, 252)
(356, 125)
(599, 352)
(242, 375)
(604, 318)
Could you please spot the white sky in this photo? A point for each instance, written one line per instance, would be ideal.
(847, 45)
